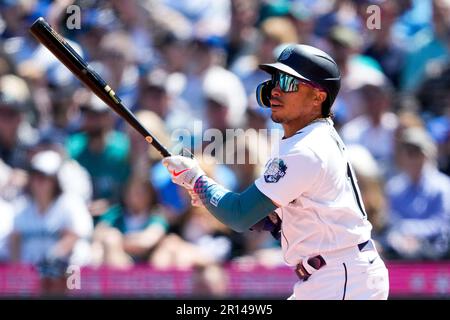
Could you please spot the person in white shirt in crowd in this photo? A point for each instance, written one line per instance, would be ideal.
(53, 228)
(419, 201)
(375, 128)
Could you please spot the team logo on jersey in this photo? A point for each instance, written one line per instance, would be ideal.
(276, 170)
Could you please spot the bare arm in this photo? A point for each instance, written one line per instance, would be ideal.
(138, 243)
(65, 245)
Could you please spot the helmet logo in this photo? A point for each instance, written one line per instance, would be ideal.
(286, 54)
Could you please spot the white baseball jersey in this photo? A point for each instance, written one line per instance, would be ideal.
(311, 180)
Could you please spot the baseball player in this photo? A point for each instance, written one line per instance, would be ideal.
(309, 184)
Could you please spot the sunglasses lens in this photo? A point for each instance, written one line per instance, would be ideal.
(287, 83)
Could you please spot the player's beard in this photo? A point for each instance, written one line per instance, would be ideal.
(277, 115)
(278, 118)
(282, 118)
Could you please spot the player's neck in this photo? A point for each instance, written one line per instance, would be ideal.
(292, 127)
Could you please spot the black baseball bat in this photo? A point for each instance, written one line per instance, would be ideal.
(62, 50)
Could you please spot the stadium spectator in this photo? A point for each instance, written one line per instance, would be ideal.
(205, 71)
(156, 95)
(376, 126)
(173, 62)
(134, 19)
(201, 240)
(6, 64)
(15, 14)
(340, 12)
(12, 183)
(406, 119)
(209, 282)
(304, 17)
(419, 201)
(434, 100)
(246, 155)
(243, 34)
(371, 185)
(103, 151)
(429, 45)
(127, 232)
(53, 228)
(345, 45)
(145, 156)
(16, 132)
(96, 24)
(73, 178)
(383, 47)
(208, 18)
(172, 49)
(440, 129)
(118, 65)
(62, 115)
(256, 117)
(274, 31)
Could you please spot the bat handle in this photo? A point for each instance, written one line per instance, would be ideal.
(165, 153)
(162, 150)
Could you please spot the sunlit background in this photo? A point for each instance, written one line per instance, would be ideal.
(87, 209)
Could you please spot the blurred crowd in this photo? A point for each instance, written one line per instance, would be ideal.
(79, 186)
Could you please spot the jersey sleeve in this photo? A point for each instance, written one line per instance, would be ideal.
(288, 176)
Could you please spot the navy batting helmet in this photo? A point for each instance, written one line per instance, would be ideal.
(307, 63)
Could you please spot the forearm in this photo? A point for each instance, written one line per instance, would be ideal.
(139, 243)
(239, 211)
(65, 245)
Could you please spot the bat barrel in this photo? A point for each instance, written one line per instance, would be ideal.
(62, 50)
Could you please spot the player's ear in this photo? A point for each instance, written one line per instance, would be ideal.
(320, 97)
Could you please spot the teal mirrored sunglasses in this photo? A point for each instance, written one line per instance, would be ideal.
(289, 83)
(286, 82)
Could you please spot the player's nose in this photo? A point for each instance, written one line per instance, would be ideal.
(276, 91)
